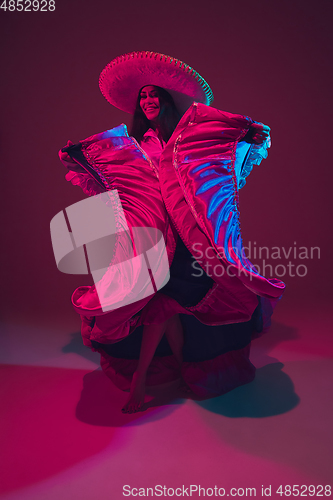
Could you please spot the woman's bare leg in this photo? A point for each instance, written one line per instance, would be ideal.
(151, 337)
(175, 336)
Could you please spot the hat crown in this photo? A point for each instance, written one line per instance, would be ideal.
(122, 79)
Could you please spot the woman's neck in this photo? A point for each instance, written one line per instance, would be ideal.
(155, 127)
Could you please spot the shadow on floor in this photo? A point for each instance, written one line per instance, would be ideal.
(101, 402)
(271, 393)
(76, 345)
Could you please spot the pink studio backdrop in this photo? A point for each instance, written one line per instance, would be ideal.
(267, 60)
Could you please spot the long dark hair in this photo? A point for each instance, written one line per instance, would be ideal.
(168, 117)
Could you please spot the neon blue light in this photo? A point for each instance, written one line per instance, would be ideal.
(120, 131)
(217, 163)
(209, 184)
(200, 167)
(221, 218)
(218, 198)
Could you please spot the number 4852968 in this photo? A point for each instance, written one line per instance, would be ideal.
(28, 5)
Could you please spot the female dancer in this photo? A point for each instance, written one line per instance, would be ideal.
(189, 168)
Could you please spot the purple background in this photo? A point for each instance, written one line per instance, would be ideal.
(270, 60)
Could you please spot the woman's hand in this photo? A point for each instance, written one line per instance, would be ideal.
(66, 159)
(257, 134)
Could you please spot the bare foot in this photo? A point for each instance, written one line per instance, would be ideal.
(137, 394)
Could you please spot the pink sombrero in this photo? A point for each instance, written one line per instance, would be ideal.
(122, 79)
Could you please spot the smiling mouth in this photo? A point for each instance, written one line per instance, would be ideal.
(152, 108)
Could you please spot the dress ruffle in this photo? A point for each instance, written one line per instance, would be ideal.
(83, 180)
(222, 309)
(255, 155)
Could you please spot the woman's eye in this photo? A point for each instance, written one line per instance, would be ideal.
(144, 96)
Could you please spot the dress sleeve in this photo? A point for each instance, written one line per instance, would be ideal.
(77, 175)
(248, 155)
(84, 180)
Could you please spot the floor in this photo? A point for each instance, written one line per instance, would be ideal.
(63, 435)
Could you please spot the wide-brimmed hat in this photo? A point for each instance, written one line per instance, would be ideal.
(122, 79)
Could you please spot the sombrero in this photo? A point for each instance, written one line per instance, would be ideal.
(122, 79)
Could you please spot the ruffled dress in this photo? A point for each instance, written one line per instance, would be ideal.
(191, 198)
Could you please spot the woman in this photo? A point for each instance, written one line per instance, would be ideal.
(189, 160)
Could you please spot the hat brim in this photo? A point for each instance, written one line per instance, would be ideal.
(122, 79)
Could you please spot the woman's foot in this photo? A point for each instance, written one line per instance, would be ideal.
(137, 394)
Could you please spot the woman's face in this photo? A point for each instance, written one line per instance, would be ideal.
(149, 102)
